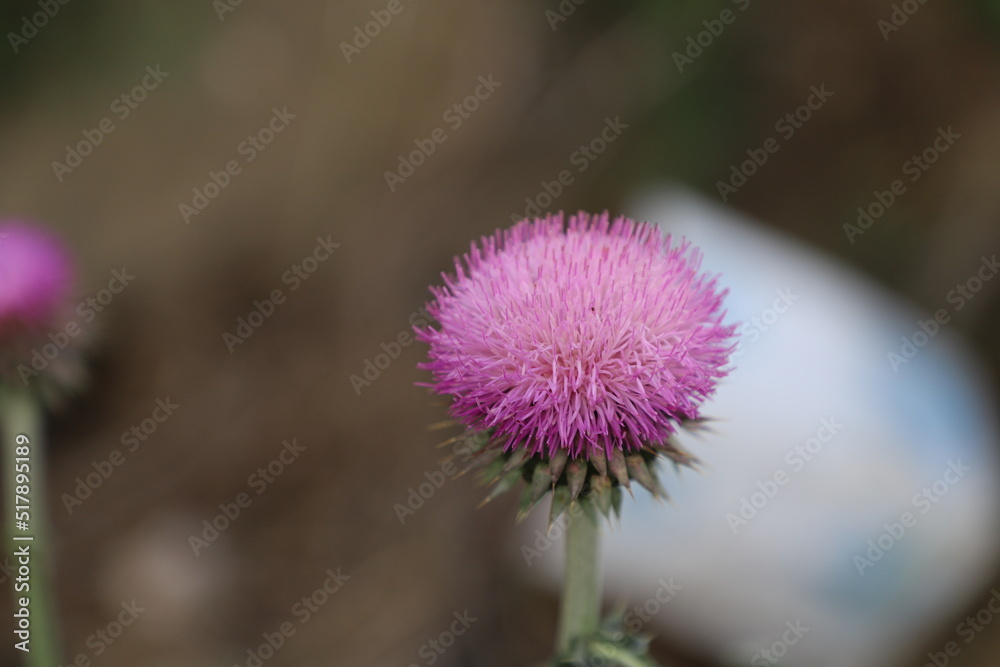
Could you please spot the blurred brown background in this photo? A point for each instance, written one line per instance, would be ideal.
(323, 176)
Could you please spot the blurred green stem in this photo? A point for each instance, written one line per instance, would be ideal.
(20, 415)
(581, 601)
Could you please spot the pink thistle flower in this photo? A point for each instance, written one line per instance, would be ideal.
(36, 283)
(577, 339)
(35, 277)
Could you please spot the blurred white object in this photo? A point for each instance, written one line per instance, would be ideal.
(827, 443)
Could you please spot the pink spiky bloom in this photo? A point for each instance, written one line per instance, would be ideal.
(35, 277)
(585, 338)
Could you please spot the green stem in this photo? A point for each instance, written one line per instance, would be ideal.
(581, 601)
(20, 415)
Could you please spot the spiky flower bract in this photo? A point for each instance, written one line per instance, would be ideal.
(587, 340)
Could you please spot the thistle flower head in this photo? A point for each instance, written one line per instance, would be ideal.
(36, 282)
(35, 277)
(587, 339)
